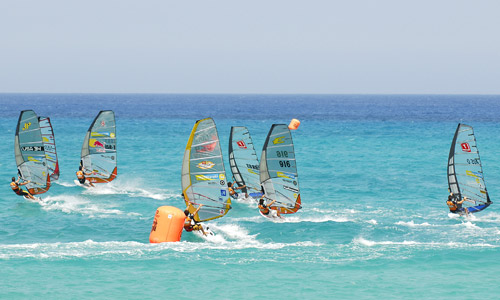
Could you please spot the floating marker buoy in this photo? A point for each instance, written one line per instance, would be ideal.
(167, 225)
(294, 124)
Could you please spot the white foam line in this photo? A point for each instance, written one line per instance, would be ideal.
(80, 205)
(90, 248)
(369, 243)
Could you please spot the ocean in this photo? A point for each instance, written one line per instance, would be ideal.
(374, 222)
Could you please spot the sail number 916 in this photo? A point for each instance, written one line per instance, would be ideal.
(282, 153)
(285, 163)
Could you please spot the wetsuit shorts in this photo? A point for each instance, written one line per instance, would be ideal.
(81, 180)
(22, 193)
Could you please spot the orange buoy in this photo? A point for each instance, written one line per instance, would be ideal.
(294, 124)
(167, 225)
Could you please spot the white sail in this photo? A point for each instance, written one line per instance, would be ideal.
(465, 171)
(99, 149)
(243, 160)
(278, 170)
(29, 150)
(203, 173)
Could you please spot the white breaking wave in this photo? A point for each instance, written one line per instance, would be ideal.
(364, 242)
(81, 205)
(413, 224)
(131, 188)
(91, 248)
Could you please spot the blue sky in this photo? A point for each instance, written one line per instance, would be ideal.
(339, 47)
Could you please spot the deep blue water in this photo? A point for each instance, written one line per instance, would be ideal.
(374, 223)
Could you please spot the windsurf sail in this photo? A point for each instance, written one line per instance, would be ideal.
(278, 170)
(203, 173)
(465, 171)
(49, 144)
(29, 150)
(99, 148)
(243, 160)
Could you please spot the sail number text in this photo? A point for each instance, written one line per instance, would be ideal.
(282, 153)
(285, 163)
(473, 161)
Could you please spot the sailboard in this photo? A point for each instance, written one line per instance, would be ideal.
(99, 149)
(243, 160)
(465, 171)
(203, 175)
(49, 144)
(278, 170)
(30, 156)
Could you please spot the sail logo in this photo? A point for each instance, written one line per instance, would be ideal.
(103, 123)
(205, 165)
(252, 171)
(465, 147)
(285, 175)
(26, 126)
(31, 158)
(99, 134)
(279, 140)
(97, 144)
(241, 144)
(474, 174)
(32, 148)
(207, 177)
(223, 193)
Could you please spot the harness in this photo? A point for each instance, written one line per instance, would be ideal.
(264, 210)
(16, 188)
(452, 205)
(79, 174)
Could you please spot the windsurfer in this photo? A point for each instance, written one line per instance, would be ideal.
(81, 176)
(266, 209)
(232, 189)
(455, 206)
(190, 224)
(19, 191)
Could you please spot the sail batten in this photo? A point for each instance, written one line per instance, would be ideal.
(465, 172)
(203, 176)
(278, 170)
(98, 155)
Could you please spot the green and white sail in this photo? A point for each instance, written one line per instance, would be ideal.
(243, 160)
(203, 174)
(278, 170)
(99, 149)
(29, 150)
(465, 171)
(49, 144)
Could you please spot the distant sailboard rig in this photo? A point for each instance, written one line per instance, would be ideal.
(278, 170)
(243, 160)
(29, 149)
(203, 176)
(99, 149)
(465, 171)
(49, 144)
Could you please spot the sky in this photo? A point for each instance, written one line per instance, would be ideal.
(282, 47)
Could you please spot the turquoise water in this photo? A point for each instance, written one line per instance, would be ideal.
(374, 223)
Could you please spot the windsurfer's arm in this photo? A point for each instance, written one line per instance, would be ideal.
(272, 202)
(240, 187)
(196, 211)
